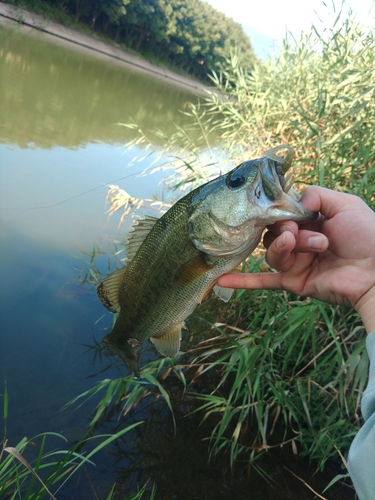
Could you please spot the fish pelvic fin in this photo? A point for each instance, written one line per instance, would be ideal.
(223, 293)
(108, 290)
(169, 343)
(128, 354)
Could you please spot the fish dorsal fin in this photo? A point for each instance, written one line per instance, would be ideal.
(138, 234)
(224, 293)
(169, 343)
(108, 290)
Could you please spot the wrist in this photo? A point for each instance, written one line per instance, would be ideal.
(366, 309)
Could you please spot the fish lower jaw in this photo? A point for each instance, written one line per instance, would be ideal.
(295, 212)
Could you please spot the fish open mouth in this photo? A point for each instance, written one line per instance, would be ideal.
(288, 200)
(282, 165)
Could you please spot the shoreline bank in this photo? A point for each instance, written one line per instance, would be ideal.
(10, 14)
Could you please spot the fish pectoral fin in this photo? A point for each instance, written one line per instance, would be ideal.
(223, 293)
(192, 270)
(108, 290)
(169, 343)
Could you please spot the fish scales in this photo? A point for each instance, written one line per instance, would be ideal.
(149, 279)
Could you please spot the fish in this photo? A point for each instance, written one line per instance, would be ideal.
(174, 261)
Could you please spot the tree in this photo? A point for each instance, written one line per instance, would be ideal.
(189, 34)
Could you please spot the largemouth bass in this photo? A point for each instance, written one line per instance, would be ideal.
(175, 261)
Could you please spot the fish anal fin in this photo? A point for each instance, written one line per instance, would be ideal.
(192, 270)
(108, 290)
(169, 343)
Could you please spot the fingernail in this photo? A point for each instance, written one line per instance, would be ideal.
(281, 240)
(316, 242)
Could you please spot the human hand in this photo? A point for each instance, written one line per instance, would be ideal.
(331, 258)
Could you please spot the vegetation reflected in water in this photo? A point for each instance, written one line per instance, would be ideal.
(53, 97)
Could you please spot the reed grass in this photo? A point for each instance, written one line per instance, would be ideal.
(317, 95)
(299, 366)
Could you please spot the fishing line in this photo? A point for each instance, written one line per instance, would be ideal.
(39, 207)
(71, 197)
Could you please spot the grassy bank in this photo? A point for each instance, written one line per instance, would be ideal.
(54, 13)
(50, 11)
(189, 36)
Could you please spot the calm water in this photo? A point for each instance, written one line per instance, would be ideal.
(59, 137)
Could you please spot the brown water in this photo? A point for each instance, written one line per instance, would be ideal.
(60, 145)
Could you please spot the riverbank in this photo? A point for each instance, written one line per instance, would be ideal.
(97, 48)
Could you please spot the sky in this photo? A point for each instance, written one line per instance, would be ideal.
(265, 21)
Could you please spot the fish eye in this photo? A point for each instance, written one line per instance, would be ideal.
(236, 180)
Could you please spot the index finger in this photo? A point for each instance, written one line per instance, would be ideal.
(253, 281)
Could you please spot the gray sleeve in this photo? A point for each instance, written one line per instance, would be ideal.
(361, 460)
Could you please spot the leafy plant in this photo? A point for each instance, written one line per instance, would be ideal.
(188, 35)
(298, 369)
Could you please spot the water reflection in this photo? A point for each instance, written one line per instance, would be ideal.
(53, 97)
(57, 197)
